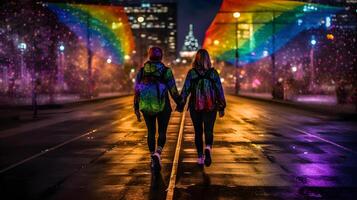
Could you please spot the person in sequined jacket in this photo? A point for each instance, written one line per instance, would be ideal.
(203, 110)
(154, 65)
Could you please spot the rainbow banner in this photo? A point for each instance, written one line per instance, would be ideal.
(106, 26)
(259, 35)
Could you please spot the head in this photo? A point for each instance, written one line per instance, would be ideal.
(202, 60)
(155, 54)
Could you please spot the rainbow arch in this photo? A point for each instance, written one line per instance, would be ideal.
(108, 26)
(256, 30)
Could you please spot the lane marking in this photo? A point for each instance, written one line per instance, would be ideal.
(171, 187)
(46, 151)
(323, 139)
(60, 145)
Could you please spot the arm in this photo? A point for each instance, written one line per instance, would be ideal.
(221, 100)
(171, 85)
(186, 89)
(136, 90)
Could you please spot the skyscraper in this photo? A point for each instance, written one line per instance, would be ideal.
(153, 25)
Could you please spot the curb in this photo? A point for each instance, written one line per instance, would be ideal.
(325, 109)
(62, 105)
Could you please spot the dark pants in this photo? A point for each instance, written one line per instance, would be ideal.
(203, 122)
(162, 119)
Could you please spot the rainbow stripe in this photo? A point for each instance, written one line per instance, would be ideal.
(109, 29)
(256, 30)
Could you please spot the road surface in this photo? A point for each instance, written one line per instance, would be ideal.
(261, 151)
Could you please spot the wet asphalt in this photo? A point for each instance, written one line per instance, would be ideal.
(260, 151)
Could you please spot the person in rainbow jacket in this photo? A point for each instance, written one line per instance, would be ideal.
(203, 84)
(153, 84)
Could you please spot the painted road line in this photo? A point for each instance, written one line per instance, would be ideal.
(46, 151)
(171, 187)
(58, 146)
(323, 139)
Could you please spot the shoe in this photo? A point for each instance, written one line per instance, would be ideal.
(157, 161)
(208, 159)
(152, 164)
(201, 160)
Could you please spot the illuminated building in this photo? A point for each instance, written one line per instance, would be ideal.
(190, 45)
(153, 25)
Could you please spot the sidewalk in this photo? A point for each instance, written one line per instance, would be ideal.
(316, 103)
(19, 114)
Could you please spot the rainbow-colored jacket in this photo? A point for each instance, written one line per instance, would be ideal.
(209, 87)
(168, 79)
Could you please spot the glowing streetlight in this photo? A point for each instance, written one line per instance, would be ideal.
(61, 47)
(109, 60)
(294, 69)
(22, 46)
(141, 19)
(236, 15)
(313, 42)
(126, 57)
(216, 42)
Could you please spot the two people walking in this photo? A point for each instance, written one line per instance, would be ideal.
(154, 83)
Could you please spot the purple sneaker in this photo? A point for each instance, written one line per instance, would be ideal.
(156, 161)
(208, 159)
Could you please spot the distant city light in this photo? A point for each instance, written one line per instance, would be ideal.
(126, 57)
(236, 14)
(178, 60)
(313, 41)
(222, 80)
(330, 36)
(132, 70)
(141, 19)
(61, 47)
(145, 5)
(294, 69)
(299, 21)
(109, 60)
(216, 42)
(328, 22)
(22, 46)
(265, 53)
(184, 61)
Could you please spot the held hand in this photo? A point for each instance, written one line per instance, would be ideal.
(138, 116)
(221, 113)
(179, 108)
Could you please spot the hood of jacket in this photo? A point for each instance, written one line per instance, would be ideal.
(152, 67)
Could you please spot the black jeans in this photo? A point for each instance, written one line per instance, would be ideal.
(203, 122)
(162, 119)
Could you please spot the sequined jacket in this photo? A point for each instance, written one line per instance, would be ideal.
(189, 87)
(168, 79)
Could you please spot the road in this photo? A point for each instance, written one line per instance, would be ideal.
(261, 151)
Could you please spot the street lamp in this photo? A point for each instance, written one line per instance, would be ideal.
(22, 47)
(313, 42)
(61, 47)
(236, 15)
(141, 20)
(60, 71)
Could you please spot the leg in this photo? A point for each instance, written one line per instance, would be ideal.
(151, 126)
(196, 118)
(163, 121)
(209, 119)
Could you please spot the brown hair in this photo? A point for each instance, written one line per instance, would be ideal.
(202, 60)
(155, 54)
